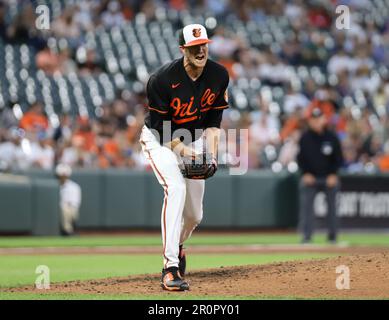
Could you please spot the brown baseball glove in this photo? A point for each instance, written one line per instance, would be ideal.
(201, 167)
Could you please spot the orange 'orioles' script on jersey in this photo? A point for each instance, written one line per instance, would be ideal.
(183, 110)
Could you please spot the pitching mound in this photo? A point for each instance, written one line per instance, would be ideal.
(305, 279)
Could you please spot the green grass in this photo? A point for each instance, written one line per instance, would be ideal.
(198, 239)
(20, 270)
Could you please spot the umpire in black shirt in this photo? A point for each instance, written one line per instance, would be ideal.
(319, 159)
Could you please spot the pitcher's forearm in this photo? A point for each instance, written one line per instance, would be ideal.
(179, 148)
(212, 136)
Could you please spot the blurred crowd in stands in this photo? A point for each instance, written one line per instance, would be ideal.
(354, 94)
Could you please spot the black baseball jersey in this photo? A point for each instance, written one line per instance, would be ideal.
(320, 154)
(174, 96)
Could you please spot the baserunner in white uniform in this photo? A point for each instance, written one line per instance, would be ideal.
(189, 93)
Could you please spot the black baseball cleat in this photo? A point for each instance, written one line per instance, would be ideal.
(172, 281)
(182, 261)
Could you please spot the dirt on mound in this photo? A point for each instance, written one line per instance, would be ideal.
(306, 279)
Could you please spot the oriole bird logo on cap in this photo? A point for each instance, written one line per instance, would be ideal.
(196, 32)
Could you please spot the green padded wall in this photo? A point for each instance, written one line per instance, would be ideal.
(287, 200)
(15, 204)
(45, 207)
(154, 202)
(125, 199)
(255, 199)
(92, 186)
(133, 199)
(219, 201)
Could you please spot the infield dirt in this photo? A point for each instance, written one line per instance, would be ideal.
(306, 279)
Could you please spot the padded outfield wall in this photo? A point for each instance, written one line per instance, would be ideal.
(125, 199)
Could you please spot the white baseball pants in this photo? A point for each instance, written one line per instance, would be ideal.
(68, 217)
(182, 208)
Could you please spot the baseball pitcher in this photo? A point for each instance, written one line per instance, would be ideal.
(187, 96)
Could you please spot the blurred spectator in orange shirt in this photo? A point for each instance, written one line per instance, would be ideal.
(383, 162)
(323, 102)
(34, 119)
(108, 153)
(293, 123)
(178, 4)
(85, 134)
